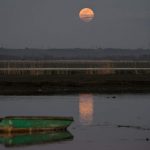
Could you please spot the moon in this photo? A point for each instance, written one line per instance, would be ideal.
(86, 14)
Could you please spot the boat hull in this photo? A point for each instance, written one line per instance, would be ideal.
(34, 124)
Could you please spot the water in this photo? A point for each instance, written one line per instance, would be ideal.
(107, 122)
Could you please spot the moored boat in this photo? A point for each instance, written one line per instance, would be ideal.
(33, 124)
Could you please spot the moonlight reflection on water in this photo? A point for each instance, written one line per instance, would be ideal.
(86, 108)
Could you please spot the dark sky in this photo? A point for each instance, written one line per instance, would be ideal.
(55, 23)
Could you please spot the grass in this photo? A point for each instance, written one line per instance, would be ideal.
(45, 77)
(75, 73)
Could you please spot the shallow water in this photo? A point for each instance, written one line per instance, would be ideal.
(108, 122)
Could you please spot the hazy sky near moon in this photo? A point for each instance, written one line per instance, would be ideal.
(56, 23)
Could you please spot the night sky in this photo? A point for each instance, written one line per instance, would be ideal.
(55, 24)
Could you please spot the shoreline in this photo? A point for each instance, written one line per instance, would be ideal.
(62, 77)
(49, 88)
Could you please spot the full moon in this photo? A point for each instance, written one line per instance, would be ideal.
(86, 14)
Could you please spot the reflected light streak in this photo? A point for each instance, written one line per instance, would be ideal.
(86, 108)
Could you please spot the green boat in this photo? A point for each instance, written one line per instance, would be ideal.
(15, 124)
(11, 140)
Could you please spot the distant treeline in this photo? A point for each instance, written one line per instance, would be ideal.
(75, 54)
(72, 64)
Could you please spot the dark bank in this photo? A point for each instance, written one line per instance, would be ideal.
(74, 76)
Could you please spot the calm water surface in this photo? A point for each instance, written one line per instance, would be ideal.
(97, 118)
